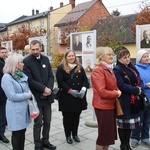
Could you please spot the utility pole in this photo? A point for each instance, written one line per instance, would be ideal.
(48, 34)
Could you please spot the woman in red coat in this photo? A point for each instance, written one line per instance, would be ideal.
(105, 92)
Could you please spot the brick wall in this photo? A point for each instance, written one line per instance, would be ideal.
(93, 15)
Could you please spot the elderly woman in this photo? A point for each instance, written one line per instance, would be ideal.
(142, 132)
(105, 92)
(73, 82)
(129, 83)
(15, 86)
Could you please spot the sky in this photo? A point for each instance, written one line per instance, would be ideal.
(12, 9)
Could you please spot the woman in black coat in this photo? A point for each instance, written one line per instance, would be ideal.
(73, 82)
(129, 83)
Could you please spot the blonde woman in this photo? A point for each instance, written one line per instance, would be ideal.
(105, 92)
(72, 80)
(15, 85)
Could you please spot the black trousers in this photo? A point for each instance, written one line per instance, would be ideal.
(18, 139)
(2, 118)
(42, 123)
(71, 122)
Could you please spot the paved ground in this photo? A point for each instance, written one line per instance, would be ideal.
(87, 134)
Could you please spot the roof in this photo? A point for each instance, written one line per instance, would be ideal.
(27, 18)
(112, 24)
(3, 27)
(32, 17)
(76, 13)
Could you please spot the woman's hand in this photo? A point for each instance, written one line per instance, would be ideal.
(119, 93)
(140, 90)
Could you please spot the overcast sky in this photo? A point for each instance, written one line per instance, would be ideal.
(12, 9)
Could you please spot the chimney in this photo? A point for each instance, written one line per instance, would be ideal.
(72, 2)
(51, 8)
(37, 11)
(32, 12)
(61, 4)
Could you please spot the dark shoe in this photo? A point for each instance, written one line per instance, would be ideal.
(134, 144)
(69, 140)
(38, 148)
(123, 147)
(49, 146)
(76, 138)
(128, 146)
(4, 139)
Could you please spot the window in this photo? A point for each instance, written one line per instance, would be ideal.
(32, 25)
(16, 28)
(41, 22)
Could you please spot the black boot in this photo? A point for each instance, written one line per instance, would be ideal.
(122, 136)
(128, 134)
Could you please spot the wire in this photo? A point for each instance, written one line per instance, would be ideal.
(125, 4)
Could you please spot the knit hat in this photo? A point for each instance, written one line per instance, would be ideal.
(139, 54)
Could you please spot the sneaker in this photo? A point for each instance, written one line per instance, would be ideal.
(134, 144)
(145, 143)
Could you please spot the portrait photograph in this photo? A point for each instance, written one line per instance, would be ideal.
(143, 37)
(87, 40)
(77, 42)
(88, 63)
(8, 45)
(42, 39)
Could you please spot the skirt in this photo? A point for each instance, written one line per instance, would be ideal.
(107, 130)
(128, 124)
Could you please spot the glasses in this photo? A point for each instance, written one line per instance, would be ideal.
(110, 54)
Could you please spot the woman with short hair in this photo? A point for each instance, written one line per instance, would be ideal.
(15, 85)
(105, 92)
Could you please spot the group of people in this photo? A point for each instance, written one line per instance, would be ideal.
(125, 82)
(21, 78)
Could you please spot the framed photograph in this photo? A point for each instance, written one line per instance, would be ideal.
(143, 37)
(8, 45)
(42, 39)
(84, 45)
(77, 42)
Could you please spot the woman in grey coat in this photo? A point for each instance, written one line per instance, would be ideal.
(15, 85)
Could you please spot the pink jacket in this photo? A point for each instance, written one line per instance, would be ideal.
(104, 85)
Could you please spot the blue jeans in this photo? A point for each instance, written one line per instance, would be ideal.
(142, 132)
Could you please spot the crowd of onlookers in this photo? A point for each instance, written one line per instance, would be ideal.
(24, 77)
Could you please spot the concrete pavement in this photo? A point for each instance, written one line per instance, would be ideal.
(87, 134)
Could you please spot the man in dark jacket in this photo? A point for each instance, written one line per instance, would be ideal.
(3, 55)
(41, 81)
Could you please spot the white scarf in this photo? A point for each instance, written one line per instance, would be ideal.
(71, 65)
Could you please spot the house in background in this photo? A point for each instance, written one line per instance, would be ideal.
(3, 30)
(84, 15)
(55, 16)
(119, 26)
(43, 23)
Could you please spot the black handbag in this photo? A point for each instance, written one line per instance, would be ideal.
(146, 104)
(56, 93)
